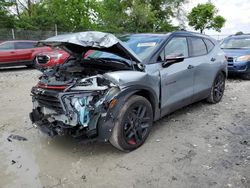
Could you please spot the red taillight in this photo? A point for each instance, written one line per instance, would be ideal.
(44, 86)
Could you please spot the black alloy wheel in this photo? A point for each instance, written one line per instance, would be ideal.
(133, 124)
(218, 89)
(136, 125)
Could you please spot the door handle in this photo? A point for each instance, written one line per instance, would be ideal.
(190, 67)
(12, 52)
(213, 59)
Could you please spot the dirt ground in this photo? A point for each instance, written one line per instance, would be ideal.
(201, 145)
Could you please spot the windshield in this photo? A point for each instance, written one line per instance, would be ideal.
(236, 43)
(142, 46)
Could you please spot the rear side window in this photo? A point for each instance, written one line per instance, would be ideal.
(209, 45)
(7, 46)
(197, 47)
(24, 45)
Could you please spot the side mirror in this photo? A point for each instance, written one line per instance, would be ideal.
(169, 60)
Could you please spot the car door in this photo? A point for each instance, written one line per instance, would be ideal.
(24, 50)
(7, 51)
(176, 79)
(201, 62)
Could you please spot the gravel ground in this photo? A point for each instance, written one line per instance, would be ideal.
(201, 145)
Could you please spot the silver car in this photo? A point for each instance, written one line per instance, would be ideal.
(113, 89)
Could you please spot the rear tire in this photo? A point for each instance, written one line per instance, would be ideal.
(133, 124)
(217, 90)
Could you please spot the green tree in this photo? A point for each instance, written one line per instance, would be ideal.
(111, 16)
(117, 16)
(239, 33)
(204, 16)
(6, 19)
(73, 15)
(165, 10)
(138, 15)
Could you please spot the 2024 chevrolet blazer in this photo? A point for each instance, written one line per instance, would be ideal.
(116, 92)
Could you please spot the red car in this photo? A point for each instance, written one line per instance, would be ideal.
(21, 52)
(50, 59)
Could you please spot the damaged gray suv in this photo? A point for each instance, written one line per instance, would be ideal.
(113, 89)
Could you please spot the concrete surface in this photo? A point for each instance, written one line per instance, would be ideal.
(199, 146)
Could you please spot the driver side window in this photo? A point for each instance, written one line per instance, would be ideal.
(7, 46)
(176, 47)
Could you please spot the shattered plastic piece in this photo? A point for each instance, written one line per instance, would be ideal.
(233, 98)
(16, 137)
(225, 150)
(158, 140)
(207, 167)
(13, 162)
(9, 140)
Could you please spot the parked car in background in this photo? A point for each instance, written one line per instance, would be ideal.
(19, 52)
(50, 59)
(237, 50)
(116, 91)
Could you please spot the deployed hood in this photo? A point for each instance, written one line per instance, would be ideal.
(78, 43)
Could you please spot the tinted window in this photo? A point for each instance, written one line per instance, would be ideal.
(7, 46)
(197, 47)
(24, 45)
(209, 45)
(176, 47)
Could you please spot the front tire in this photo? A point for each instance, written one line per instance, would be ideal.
(133, 124)
(217, 90)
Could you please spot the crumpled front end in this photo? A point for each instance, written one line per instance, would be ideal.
(74, 109)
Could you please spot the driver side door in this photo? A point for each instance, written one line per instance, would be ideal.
(7, 51)
(177, 80)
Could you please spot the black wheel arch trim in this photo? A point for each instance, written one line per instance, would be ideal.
(107, 123)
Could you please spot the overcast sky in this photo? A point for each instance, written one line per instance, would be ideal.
(236, 12)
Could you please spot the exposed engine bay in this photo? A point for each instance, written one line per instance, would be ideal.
(71, 98)
(83, 96)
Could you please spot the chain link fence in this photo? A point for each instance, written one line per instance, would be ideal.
(21, 34)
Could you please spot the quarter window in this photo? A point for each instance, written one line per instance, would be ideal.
(209, 45)
(197, 47)
(176, 47)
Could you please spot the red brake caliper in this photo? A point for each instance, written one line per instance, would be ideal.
(132, 142)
